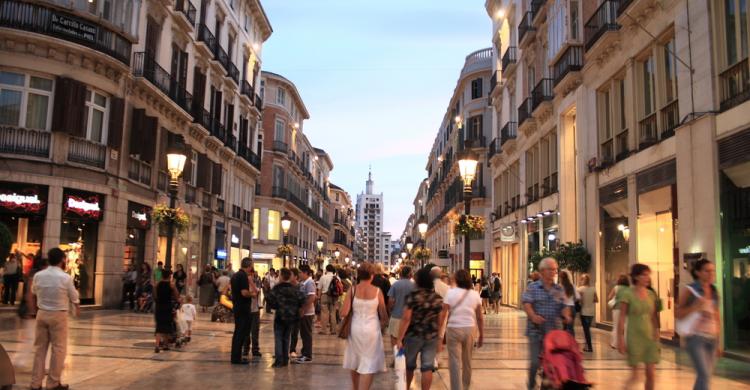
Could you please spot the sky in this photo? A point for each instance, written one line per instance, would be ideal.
(376, 77)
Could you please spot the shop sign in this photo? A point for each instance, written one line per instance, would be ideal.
(442, 254)
(139, 216)
(476, 264)
(221, 254)
(745, 250)
(235, 239)
(73, 27)
(23, 199)
(83, 205)
(508, 233)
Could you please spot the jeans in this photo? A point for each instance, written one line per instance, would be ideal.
(535, 349)
(569, 327)
(306, 334)
(294, 334)
(460, 347)
(702, 351)
(254, 335)
(128, 295)
(586, 323)
(241, 332)
(282, 330)
(11, 287)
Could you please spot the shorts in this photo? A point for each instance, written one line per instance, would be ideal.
(393, 327)
(427, 349)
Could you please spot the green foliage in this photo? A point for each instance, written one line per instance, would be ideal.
(6, 241)
(536, 257)
(570, 255)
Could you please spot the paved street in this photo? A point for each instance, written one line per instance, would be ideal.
(114, 350)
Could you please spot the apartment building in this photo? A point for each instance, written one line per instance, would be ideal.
(369, 224)
(341, 238)
(630, 114)
(93, 92)
(293, 183)
(466, 125)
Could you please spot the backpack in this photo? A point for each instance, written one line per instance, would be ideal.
(335, 288)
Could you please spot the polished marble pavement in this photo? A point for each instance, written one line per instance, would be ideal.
(114, 350)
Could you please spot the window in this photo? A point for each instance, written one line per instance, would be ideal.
(476, 88)
(274, 225)
(658, 71)
(735, 30)
(25, 100)
(192, 168)
(279, 131)
(646, 84)
(669, 110)
(281, 96)
(246, 25)
(532, 174)
(96, 117)
(613, 130)
(530, 79)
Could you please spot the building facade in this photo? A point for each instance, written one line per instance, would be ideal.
(466, 125)
(93, 93)
(632, 117)
(294, 181)
(342, 227)
(369, 224)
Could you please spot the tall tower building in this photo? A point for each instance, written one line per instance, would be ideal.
(369, 220)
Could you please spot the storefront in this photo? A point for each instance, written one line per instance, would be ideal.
(81, 213)
(138, 225)
(507, 263)
(221, 255)
(614, 235)
(734, 186)
(23, 209)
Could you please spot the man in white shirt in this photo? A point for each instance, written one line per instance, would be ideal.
(307, 286)
(223, 281)
(54, 292)
(327, 302)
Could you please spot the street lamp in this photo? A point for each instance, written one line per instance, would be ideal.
(409, 244)
(176, 158)
(347, 259)
(467, 166)
(286, 223)
(319, 244)
(422, 225)
(403, 255)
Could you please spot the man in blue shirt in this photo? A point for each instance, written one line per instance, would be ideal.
(545, 304)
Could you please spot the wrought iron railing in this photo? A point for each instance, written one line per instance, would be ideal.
(526, 25)
(28, 142)
(509, 57)
(83, 151)
(570, 61)
(735, 85)
(187, 9)
(205, 36)
(603, 20)
(541, 93)
(648, 131)
(670, 119)
(145, 65)
(279, 146)
(607, 153)
(508, 132)
(525, 110)
(139, 171)
(247, 90)
(494, 148)
(258, 102)
(622, 145)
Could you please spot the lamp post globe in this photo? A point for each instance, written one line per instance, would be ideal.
(409, 244)
(286, 222)
(347, 259)
(422, 225)
(467, 167)
(337, 253)
(320, 243)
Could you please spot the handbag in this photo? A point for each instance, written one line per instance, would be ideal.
(612, 302)
(346, 324)
(685, 326)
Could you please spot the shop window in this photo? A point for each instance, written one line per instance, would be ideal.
(274, 225)
(96, 116)
(614, 236)
(25, 100)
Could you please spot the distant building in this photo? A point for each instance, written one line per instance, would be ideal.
(369, 223)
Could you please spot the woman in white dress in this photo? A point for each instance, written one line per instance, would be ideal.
(364, 354)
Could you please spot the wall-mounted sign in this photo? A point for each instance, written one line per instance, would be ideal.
(221, 254)
(73, 27)
(139, 216)
(23, 199)
(83, 205)
(508, 233)
(745, 250)
(443, 254)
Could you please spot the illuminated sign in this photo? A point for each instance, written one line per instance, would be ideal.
(745, 250)
(23, 199)
(235, 239)
(82, 205)
(221, 254)
(139, 216)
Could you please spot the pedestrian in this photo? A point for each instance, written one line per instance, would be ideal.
(392, 278)
(165, 295)
(223, 281)
(702, 299)
(380, 280)
(545, 304)
(242, 293)
(533, 277)
(188, 314)
(484, 294)
(419, 328)
(269, 280)
(640, 307)
(463, 307)
(571, 297)
(287, 301)
(441, 288)
(364, 354)
(206, 288)
(157, 275)
(588, 299)
(496, 292)
(55, 293)
(28, 307)
(129, 283)
(307, 286)
(180, 278)
(229, 270)
(254, 338)
(11, 277)
(294, 281)
(397, 299)
(613, 302)
(329, 295)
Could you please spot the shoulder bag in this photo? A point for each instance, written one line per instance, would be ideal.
(685, 326)
(346, 323)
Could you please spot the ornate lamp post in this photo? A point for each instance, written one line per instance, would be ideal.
(286, 223)
(467, 166)
(176, 158)
(319, 244)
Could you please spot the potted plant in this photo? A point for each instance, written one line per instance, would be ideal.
(164, 216)
(421, 254)
(469, 224)
(283, 250)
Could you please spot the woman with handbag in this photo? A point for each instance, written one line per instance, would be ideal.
(622, 282)
(698, 321)
(361, 327)
(588, 301)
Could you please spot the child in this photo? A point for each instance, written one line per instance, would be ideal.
(188, 314)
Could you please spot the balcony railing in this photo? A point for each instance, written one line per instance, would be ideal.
(509, 57)
(526, 25)
(623, 6)
(493, 82)
(623, 149)
(542, 93)
(219, 205)
(144, 65)
(532, 193)
(494, 148)
(205, 36)
(41, 19)
(206, 199)
(187, 9)
(189, 193)
(670, 119)
(735, 85)
(524, 111)
(83, 151)
(247, 90)
(279, 146)
(475, 142)
(536, 6)
(27, 142)
(508, 132)
(139, 171)
(202, 117)
(218, 130)
(249, 156)
(230, 141)
(258, 102)
(648, 131)
(603, 20)
(570, 61)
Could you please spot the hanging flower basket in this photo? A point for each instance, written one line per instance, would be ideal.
(163, 216)
(421, 254)
(283, 250)
(471, 224)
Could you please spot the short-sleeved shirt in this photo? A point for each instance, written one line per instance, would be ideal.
(426, 306)
(463, 303)
(308, 288)
(546, 303)
(399, 291)
(588, 306)
(239, 282)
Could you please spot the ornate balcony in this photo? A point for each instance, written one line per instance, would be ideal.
(85, 152)
(735, 85)
(508, 132)
(25, 142)
(524, 111)
(205, 36)
(187, 9)
(247, 90)
(602, 21)
(542, 93)
(569, 62)
(509, 59)
(144, 65)
(526, 29)
(279, 146)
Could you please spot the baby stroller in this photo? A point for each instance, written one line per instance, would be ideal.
(562, 363)
(177, 338)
